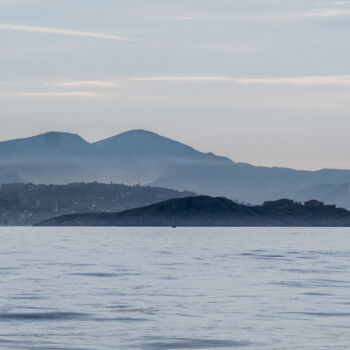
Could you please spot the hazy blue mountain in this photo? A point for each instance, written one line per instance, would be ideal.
(140, 156)
(142, 143)
(143, 156)
(51, 144)
(52, 157)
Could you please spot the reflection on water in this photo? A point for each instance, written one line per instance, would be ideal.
(159, 288)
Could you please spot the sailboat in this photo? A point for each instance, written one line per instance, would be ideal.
(174, 224)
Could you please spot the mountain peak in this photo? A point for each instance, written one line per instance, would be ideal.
(46, 135)
(62, 133)
(138, 132)
(142, 142)
(59, 135)
(44, 144)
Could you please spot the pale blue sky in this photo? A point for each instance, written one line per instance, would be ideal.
(261, 81)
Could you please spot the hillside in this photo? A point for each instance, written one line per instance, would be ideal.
(25, 204)
(331, 193)
(140, 156)
(209, 211)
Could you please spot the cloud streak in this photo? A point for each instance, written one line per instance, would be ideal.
(297, 81)
(301, 81)
(183, 78)
(85, 94)
(78, 33)
(86, 83)
(326, 13)
(61, 31)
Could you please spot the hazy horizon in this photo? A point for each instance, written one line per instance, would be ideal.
(260, 81)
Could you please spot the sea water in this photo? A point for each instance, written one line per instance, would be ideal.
(184, 288)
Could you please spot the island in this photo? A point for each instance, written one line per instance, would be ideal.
(205, 211)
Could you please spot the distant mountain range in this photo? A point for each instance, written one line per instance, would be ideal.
(208, 211)
(140, 156)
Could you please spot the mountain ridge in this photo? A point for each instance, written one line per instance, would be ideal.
(141, 156)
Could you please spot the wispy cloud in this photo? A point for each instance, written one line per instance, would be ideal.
(86, 94)
(299, 81)
(183, 78)
(341, 2)
(61, 31)
(85, 83)
(329, 9)
(188, 18)
(16, 2)
(166, 16)
(325, 13)
(7, 83)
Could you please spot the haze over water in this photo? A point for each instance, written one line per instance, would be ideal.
(159, 288)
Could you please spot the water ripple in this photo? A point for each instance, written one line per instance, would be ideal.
(41, 316)
(191, 343)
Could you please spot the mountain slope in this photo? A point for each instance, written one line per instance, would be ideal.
(330, 193)
(25, 204)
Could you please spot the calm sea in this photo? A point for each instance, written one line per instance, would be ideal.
(163, 288)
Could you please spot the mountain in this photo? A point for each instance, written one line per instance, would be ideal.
(48, 145)
(52, 157)
(140, 156)
(25, 204)
(146, 157)
(209, 211)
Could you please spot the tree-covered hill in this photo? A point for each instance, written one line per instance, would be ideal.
(25, 204)
(210, 211)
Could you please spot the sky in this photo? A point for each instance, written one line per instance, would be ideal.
(260, 81)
